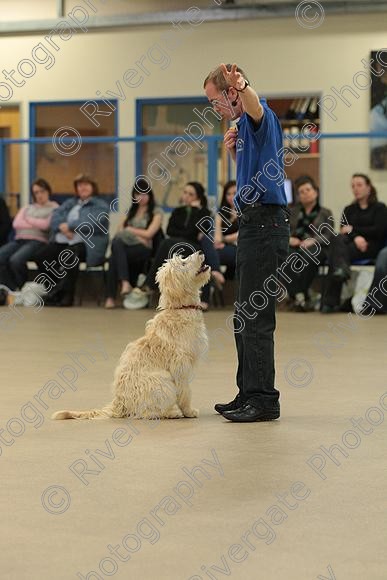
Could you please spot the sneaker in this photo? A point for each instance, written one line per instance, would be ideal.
(315, 301)
(136, 300)
(18, 298)
(299, 302)
(140, 280)
(35, 287)
(31, 294)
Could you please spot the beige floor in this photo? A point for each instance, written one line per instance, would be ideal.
(334, 525)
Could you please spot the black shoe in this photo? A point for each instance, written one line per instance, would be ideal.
(3, 298)
(51, 300)
(222, 407)
(341, 274)
(248, 414)
(309, 306)
(347, 306)
(304, 307)
(326, 309)
(66, 302)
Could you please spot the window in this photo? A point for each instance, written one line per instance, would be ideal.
(10, 156)
(59, 165)
(169, 164)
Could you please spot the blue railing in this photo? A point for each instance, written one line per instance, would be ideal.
(211, 140)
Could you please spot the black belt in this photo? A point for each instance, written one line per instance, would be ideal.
(257, 204)
(260, 204)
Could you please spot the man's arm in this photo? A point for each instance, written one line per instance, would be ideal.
(248, 96)
(251, 104)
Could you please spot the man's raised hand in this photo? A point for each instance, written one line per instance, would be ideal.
(233, 78)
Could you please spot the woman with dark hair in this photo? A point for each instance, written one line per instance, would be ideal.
(362, 234)
(222, 251)
(31, 225)
(80, 226)
(133, 244)
(183, 237)
(307, 218)
(226, 230)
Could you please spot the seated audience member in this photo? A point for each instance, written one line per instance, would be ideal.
(5, 222)
(377, 295)
(222, 251)
(362, 234)
(132, 246)
(85, 209)
(31, 225)
(306, 213)
(184, 236)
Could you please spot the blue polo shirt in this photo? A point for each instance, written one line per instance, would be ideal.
(259, 160)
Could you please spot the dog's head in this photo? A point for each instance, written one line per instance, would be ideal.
(180, 280)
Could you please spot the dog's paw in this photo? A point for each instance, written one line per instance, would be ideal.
(191, 413)
(174, 413)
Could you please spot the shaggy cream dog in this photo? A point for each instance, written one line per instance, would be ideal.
(152, 378)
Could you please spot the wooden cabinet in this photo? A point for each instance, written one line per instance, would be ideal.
(299, 118)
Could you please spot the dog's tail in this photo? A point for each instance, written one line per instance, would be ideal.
(105, 413)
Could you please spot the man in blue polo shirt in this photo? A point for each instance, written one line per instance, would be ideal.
(263, 240)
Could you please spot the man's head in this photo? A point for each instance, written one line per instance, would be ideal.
(221, 95)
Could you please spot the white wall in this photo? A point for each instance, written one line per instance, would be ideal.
(279, 56)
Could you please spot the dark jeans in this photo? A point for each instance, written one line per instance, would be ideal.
(166, 249)
(263, 244)
(64, 286)
(13, 261)
(341, 253)
(125, 263)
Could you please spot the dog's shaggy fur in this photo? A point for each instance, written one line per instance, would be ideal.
(152, 378)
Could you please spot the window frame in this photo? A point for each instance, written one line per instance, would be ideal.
(192, 100)
(32, 146)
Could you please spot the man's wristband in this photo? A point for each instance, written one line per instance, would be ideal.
(247, 84)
